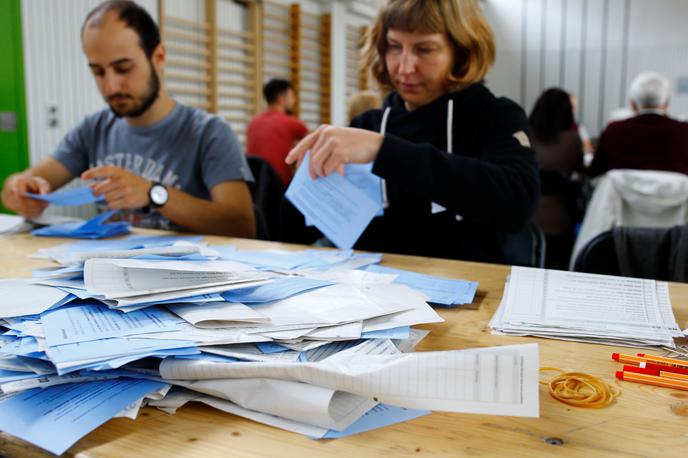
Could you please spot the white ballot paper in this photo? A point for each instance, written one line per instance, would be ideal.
(121, 278)
(499, 380)
(296, 401)
(216, 314)
(21, 296)
(179, 398)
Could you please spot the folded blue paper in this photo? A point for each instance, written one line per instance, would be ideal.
(54, 418)
(68, 197)
(94, 228)
(338, 208)
(278, 289)
(441, 291)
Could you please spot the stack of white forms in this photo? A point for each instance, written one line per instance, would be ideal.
(586, 307)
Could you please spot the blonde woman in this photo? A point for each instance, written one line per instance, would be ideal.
(459, 176)
(360, 102)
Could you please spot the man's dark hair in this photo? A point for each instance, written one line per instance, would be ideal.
(274, 88)
(134, 16)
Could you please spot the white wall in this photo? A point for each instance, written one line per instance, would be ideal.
(592, 48)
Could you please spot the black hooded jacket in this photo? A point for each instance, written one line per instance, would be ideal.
(490, 179)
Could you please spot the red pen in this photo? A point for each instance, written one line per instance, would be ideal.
(661, 367)
(641, 370)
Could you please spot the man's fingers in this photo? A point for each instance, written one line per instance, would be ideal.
(105, 186)
(43, 185)
(115, 194)
(103, 171)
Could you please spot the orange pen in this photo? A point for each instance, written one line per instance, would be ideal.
(628, 359)
(652, 380)
(663, 360)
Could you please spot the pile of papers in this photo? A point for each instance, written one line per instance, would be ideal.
(586, 307)
(315, 342)
(95, 228)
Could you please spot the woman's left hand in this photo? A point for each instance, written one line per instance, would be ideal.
(332, 147)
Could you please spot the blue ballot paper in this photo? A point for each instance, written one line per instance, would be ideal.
(94, 228)
(12, 376)
(379, 416)
(441, 291)
(280, 288)
(333, 204)
(97, 352)
(278, 260)
(56, 417)
(402, 332)
(69, 197)
(131, 243)
(94, 320)
(362, 176)
(271, 347)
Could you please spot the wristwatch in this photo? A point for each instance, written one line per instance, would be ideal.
(158, 195)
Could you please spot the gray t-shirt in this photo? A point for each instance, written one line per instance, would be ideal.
(190, 150)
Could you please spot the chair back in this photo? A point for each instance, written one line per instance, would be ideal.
(646, 198)
(526, 248)
(598, 256)
(266, 192)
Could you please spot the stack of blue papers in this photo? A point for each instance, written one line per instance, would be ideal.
(69, 197)
(94, 228)
(441, 291)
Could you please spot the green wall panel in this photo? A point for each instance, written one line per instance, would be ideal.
(14, 151)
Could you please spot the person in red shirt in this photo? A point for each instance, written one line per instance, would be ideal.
(274, 132)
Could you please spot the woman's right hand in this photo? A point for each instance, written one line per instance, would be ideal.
(332, 147)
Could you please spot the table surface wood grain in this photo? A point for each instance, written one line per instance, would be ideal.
(645, 421)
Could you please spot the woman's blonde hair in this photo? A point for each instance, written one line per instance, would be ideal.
(462, 21)
(361, 102)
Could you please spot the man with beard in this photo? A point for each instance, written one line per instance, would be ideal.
(161, 163)
(273, 133)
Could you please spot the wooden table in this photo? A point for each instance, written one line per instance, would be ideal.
(646, 421)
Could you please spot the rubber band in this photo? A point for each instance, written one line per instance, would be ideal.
(579, 389)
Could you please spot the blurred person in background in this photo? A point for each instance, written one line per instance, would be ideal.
(271, 134)
(650, 140)
(559, 153)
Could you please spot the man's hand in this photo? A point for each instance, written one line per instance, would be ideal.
(14, 198)
(333, 147)
(121, 188)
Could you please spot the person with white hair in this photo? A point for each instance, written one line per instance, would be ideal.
(649, 140)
